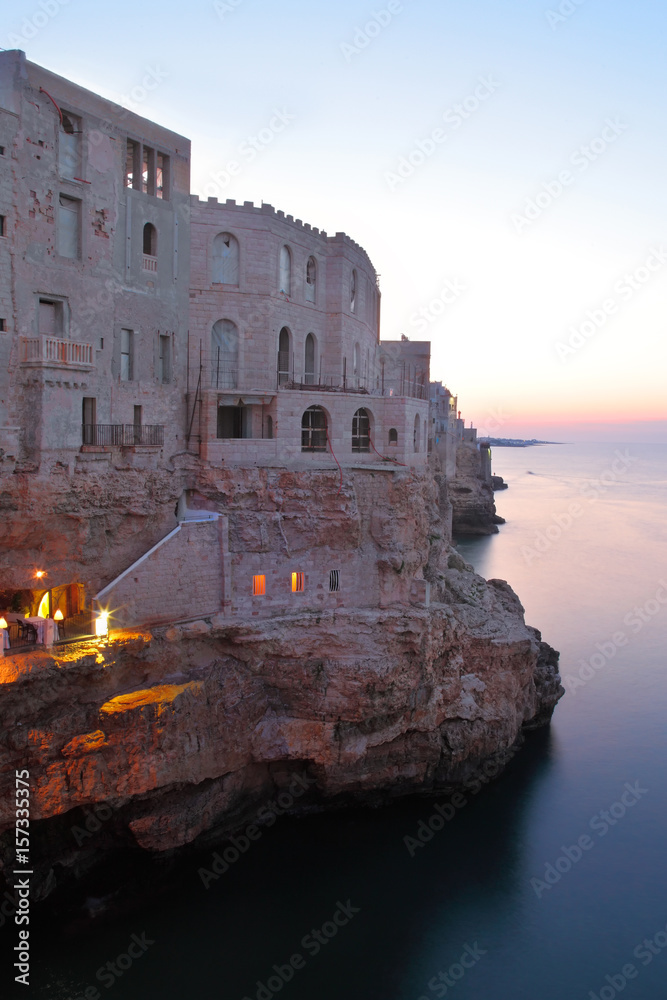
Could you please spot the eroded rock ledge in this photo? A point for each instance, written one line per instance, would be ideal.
(184, 733)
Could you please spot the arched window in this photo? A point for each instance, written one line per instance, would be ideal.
(224, 361)
(311, 279)
(284, 349)
(150, 240)
(225, 259)
(393, 436)
(285, 271)
(361, 431)
(415, 436)
(314, 429)
(353, 292)
(309, 369)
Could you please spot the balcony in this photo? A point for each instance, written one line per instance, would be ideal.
(149, 263)
(123, 435)
(53, 352)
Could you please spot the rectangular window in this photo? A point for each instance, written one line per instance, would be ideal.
(69, 147)
(148, 170)
(334, 581)
(3, 225)
(137, 424)
(258, 586)
(162, 176)
(297, 583)
(89, 420)
(164, 359)
(132, 164)
(69, 227)
(126, 356)
(50, 318)
(2, 325)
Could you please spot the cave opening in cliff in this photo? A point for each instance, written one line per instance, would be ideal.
(26, 611)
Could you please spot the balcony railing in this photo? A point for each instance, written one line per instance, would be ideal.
(149, 263)
(224, 377)
(45, 350)
(123, 435)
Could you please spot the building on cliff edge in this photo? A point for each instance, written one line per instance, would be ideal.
(142, 329)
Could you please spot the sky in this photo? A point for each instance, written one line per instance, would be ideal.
(502, 164)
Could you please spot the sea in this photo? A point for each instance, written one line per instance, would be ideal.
(547, 883)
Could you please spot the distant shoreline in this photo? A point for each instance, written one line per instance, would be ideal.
(516, 442)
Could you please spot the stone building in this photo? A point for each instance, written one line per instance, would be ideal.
(186, 385)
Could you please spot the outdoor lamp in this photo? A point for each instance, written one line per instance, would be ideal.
(58, 617)
(3, 623)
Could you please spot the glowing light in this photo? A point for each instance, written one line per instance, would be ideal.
(58, 617)
(39, 573)
(3, 623)
(43, 610)
(102, 624)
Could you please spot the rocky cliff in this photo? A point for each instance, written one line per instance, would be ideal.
(471, 495)
(179, 734)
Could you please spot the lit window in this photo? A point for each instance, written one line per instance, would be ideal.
(297, 583)
(258, 585)
(334, 581)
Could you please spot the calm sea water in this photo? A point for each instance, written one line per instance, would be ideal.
(590, 577)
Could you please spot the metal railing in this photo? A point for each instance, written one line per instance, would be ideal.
(222, 376)
(44, 350)
(123, 435)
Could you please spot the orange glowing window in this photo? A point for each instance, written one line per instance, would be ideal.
(258, 585)
(297, 583)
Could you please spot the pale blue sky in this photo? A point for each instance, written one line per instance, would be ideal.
(226, 69)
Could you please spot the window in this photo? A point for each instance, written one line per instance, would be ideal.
(147, 170)
(393, 436)
(150, 240)
(132, 164)
(355, 365)
(284, 356)
(353, 292)
(3, 225)
(285, 271)
(309, 369)
(314, 429)
(334, 581)
(69, 226)
(126, 366)
(258, 586)
(164, 359)
(361, 431)
(311, 279)
(69, 147)
(233, 421)
(50, 318)
(415, 435)
(137, 424)
(3, 325)
(89, 419)
(162, 176)
(225, 259)
(297, 583)
(224, 354)
(269, 428)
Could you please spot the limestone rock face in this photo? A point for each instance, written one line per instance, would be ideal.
(471, 496)
(172, 739)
